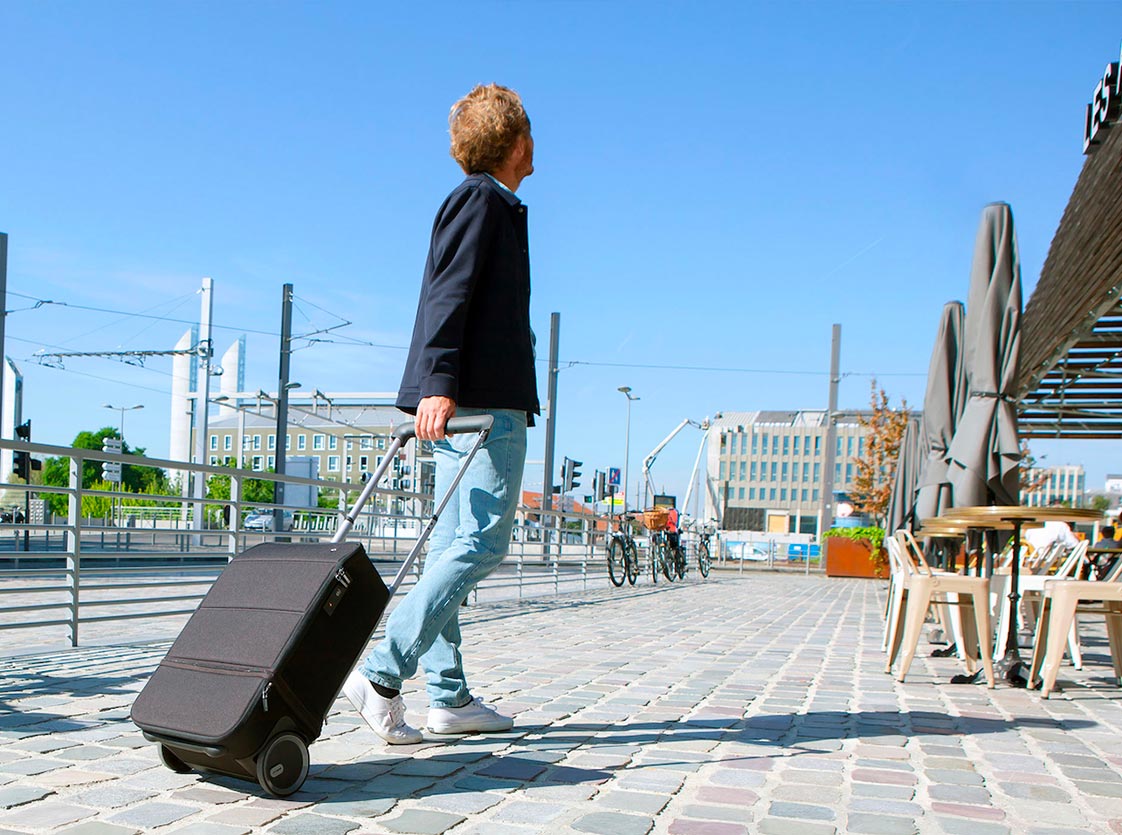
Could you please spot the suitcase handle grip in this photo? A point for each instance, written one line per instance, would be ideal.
(455, 426)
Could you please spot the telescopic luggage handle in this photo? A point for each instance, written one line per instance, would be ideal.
(480, 424)
(455, 426)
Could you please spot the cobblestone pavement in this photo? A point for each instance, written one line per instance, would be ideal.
(736, 705)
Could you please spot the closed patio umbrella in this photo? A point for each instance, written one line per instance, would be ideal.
(943, 402)
(984, 455)
(901, 503)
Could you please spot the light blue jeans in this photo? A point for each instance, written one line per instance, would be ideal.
(469, 541)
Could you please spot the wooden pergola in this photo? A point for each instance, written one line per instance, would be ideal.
(1070, 376)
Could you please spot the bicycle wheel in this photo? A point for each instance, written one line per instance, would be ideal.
(631, 560)
(617, 559)
(667, 558)
(680, 562)
(703, 558)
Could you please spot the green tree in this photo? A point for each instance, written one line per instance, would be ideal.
(135, 478)
(254, 490)
(1100, 503)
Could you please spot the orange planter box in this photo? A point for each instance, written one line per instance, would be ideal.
(851, 558)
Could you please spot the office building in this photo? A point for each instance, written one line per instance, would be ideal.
(1055, 485)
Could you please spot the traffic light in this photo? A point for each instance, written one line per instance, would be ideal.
(111, 470)
(570, 474)
(600, 485)
(21, 465)
(23, 431)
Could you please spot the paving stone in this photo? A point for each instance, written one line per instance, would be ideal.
(45, 814)
(961, 826)
(805, 811)
(11, 796)
(421, 822)
(459, 803)
(697, 827)
(645, 802)
(779, 826)
(1027, 791)
(206, 828)
(308, 823)
(730, 814)
(613, 823)
(97, 828)
(858, 822)
(152, 814)
(525, 812)
(112, 796)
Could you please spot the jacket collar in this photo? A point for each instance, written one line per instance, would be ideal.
(508, 195)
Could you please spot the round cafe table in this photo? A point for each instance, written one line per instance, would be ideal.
(1002, 517)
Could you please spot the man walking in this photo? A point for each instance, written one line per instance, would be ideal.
(472, 353)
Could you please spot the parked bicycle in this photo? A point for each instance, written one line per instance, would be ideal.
(623, 556)
(665, 550)
(704, 560)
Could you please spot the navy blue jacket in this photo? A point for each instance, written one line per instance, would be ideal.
(472, 340)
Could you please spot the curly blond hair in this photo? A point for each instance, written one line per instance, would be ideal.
(484, 126)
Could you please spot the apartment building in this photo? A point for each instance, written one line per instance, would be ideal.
(765, 468)
(1056, 485)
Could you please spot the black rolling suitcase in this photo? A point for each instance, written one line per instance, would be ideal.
(245, 687)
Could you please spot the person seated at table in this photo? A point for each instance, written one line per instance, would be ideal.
(1051, 532)
(1106, 537)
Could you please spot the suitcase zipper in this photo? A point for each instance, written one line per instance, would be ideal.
(265, 695)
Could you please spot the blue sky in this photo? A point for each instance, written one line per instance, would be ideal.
(717, 183)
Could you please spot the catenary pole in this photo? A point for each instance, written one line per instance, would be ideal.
(282, 404)
(202, 397)
(831, 432)
(550, 414)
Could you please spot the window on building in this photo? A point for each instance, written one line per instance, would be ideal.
(817, 473)
(721, 472)
(837, 474)
(724, 440)
(257, 442)
(272, 442)
(774, 444)
(381, 443)
(849, 446)
(806, 444)
(815, 497)
(333, 463)
(271, 462)
(782, 494)
(740, 493)
(258, 462)
(804, 494)
(349, 463)
(753, 471)
(366, 443)
(774, 471)
(743, 465)
(214, 442)
(771, 494)
(364, 462)
(752, 493)
(861, 447)
(743, 444)
(763, 443)
(786, 444)
(806, 472)
(214, 460)
(755, 444)
(332, 442)
(817, 444)
(785, 472)
(228, 461)
(848, 473)
(247, 442)
(317, 441)
(838, 450)
(227, 443)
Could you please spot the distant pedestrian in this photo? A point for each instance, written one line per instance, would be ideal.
(1106, 537)
(472, 353)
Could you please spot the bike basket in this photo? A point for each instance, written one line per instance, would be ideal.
(657, 519)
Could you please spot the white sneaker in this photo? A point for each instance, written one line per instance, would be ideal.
(386, 717)
(473, 717)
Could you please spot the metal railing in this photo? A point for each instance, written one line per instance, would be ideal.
(132, 556)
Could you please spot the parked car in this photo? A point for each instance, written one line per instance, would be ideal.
(11, 515)
(747, 551)
(264, 519)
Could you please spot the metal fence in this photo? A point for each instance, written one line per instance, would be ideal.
(117, 556)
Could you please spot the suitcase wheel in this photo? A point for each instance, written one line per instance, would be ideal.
(282, 765)
(168, 758)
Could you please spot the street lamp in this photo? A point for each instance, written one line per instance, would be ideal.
(626, 391)
(122, 410)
